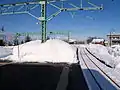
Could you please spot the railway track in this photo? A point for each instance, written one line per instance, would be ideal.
(98, 59)
(91, 66)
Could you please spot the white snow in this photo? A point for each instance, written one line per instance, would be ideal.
(114, 51)
(97, 40)
(110, 55)
(102, 79)
(5, 51)
(101, 52)
(50, 51)
(97, 48)
(72, 40)
(118, 65)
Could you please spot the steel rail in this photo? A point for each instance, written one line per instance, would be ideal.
(102, 70)
(90, 71)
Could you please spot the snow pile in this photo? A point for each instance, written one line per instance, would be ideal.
(50, 51)
(97, 48)
(102, 53)
(5, 51)
(117, 62)
(114, 50)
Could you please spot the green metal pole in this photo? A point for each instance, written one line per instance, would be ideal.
(68, 36)
(110, 39)
(43, 19)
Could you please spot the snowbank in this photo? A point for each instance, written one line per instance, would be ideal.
(5, 51)
(114, 51)
(50, 51)
(97, 48)
(102, 53)
(117, 62)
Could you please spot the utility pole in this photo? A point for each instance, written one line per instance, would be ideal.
(111, 31)
(110, 39)
(68, 36)
(26, 7)
(43, 19)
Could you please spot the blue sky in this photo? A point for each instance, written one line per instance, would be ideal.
(83, 24)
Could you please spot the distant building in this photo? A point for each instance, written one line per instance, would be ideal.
(98, 41)
(113, 39)
(72, 41)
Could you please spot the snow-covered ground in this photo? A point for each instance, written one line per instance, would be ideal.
(50, 51)
(58, 51)
(4, 51)
(114, 51)
(110, 55)
(102, 53)
(103, 80)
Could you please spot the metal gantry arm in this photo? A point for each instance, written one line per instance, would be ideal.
(17, 8)
(73, 8)
(53, 15)
(25, 7)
